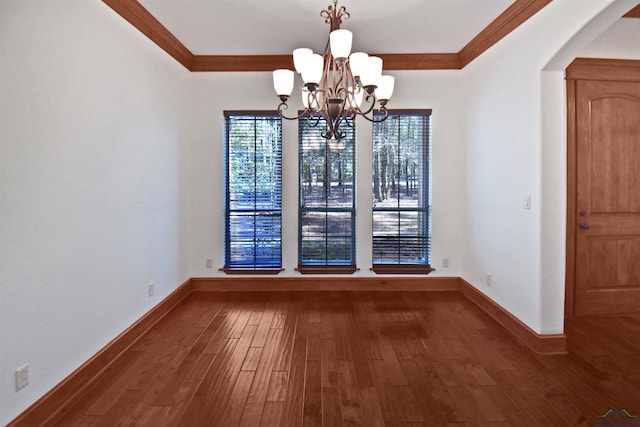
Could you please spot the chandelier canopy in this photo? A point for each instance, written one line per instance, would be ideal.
(338, 85)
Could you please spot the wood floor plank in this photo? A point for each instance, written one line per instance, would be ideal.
(312, 405)
(329, 363)
(263, 329)
(290, 326)
(356, 349)
(79, 420)
(252, 359)
(349, 394)
(218, 397)
(358, 359)
(277, 386)
(408, 405)
(257, 398)
(110, 386)
(372, 413)
(224, 321)
(235, 404)
(120, 412)
(331, 409)
(387, 398)
(154, 416)
(272, 414)
(199, 406)
(292, 412)
(431, 397)
(195, 363)
(178, 404)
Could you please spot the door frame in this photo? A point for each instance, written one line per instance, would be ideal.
(626, 70)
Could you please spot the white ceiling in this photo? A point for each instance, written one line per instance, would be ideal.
(255, 27)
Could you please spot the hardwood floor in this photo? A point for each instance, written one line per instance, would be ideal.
(359, 358)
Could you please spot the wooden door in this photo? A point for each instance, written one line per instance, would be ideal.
(607, 204)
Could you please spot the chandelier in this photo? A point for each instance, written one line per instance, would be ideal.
(338, 85)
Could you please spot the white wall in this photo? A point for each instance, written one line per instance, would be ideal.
(621, 41)
(515, 142)
(93, 132)
(216, 92)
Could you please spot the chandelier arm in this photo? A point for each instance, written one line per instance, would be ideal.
(329, 130)
(313, 120)
(372, 103)
(283, 107)
(337, 132)
(343, 78)
(382, 119)
(329, 79)
(350, 81)
(313, 99)
(335, 120)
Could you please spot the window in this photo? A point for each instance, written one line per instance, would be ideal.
(401, 192)
(253, 196)
(327, 203)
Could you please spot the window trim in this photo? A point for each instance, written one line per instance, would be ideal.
(257, 270)
(313, 268)
(247, 270)
(422, 269)
(326, 269)
(402, 269)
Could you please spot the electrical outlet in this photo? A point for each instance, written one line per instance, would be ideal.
(209, 263)
(22, 377)
(150, 289)
(489, 279)
(445, 263)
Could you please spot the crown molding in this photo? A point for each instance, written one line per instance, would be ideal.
(633, 13)
(136, 14)
(514, 16)
(241, 62)
(420, 61)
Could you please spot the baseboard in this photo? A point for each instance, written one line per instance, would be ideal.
(264, 284)
(52, 406)
(539, 343)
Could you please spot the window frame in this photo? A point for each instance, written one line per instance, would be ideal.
(410, 268)
(228, 267)
(305, 267)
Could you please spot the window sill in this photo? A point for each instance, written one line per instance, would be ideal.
(327, 269)
(401, 269)
(271, 271)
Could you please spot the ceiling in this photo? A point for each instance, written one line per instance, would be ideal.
(252, 27)
(259, 35)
